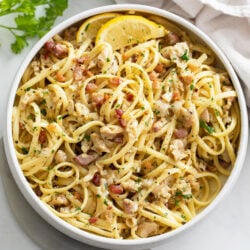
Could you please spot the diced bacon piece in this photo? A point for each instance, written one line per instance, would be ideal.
(118, 139)
(38, 191)
(211, 168)
(21, 125)
(130, 97)
(93, 220)
(91, 87)
(176, 95)
(123, 123)
(78, 73)
(57, 49)
(49, 45)
(134, 58)
(88, 73)
(76, 195)
(85, 159)
(42, 137)
(186, 77)
(156, 85)
(224, 164)
(97, 179)
(159, 68)
(116, 81)
(147, 165)
(60, 77)
(98, 99)
(153, 76)
(180, 133)
(115, 189)
(130, 206)
(60, 50)
(172, 38)
(119, 113)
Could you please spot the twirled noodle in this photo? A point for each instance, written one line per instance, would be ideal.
(128, 143)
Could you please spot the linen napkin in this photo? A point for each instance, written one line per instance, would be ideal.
(227, 22)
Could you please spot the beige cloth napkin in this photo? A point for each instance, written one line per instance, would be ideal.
(227, 22)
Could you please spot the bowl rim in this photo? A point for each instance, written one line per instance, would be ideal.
(84, 236)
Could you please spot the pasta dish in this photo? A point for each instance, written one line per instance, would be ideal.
(125, 126)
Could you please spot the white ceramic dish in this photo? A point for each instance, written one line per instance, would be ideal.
(88, 237)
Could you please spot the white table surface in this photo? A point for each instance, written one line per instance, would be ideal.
(227, 227)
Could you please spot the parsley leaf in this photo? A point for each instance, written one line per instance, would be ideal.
(28, 23)
(205, 126)
(185, 56)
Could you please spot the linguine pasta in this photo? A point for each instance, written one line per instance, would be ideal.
(126, 143)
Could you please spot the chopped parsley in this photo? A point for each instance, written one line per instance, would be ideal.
(217, 112)
(49, 168)
(24, 150)
(157, 112)
(185, 56)
(205, 126)
(44, 112)
(179, 193)
(183, 217)
(86, 137)
(139, 179)
(87, 27)
(192, 86)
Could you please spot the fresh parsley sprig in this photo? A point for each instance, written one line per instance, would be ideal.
(205, 126)
(28, 24)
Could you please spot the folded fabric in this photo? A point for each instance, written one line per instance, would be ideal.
(227, 22)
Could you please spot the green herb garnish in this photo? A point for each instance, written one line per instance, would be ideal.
(44, 112)
(28, 23)
(87, 27)
(24, 150)
(205, 126)
(185, 56)
(86, 137)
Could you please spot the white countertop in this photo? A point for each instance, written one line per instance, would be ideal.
(227, 227)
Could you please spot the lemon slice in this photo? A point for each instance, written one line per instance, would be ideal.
(127, 30)
(90, 27)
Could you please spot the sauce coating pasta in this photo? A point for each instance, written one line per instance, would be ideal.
(126, 143)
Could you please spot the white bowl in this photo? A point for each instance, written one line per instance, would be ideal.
(90, 238)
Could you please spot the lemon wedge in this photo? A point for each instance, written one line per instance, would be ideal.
(127, 30)
(90, 27)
